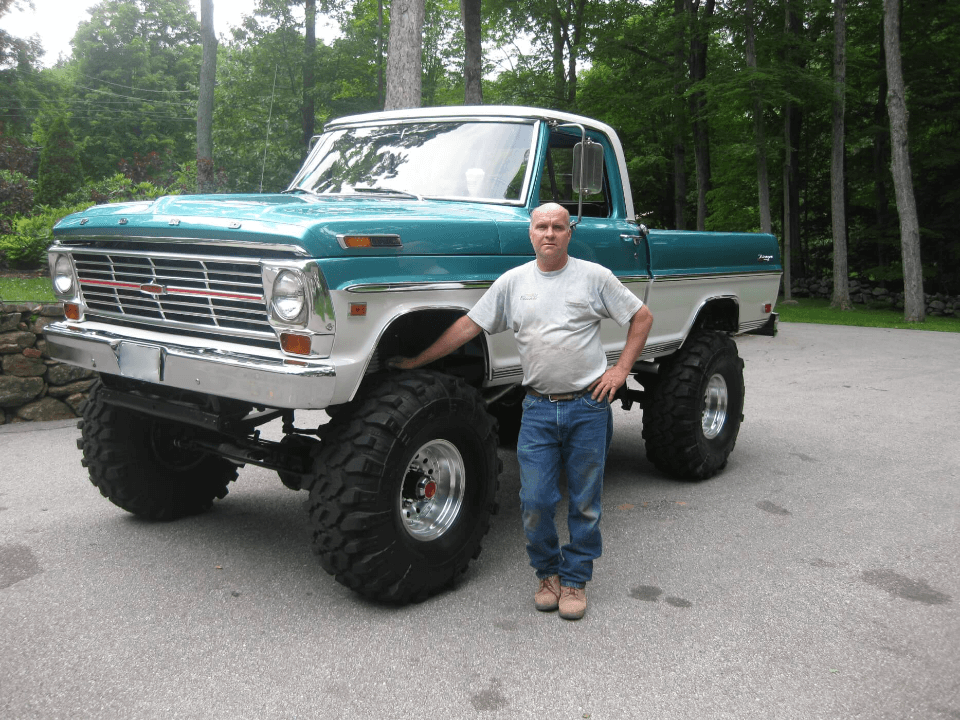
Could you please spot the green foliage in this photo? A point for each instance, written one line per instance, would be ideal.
(59, 172)
(135, 70)
(130, 93)
(26, 246)
(117, 188)
(16, 198)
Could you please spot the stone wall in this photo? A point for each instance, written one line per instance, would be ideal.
(32, 386)
(937, 305)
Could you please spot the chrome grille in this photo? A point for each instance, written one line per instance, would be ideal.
(218, 294)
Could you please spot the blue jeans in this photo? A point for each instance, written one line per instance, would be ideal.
(574, 435)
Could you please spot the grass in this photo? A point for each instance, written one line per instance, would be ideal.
(819, 312)
(16, 289)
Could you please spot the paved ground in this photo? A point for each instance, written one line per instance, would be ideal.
(817, 577)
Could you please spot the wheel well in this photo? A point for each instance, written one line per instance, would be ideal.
(719, 314)
(409, 334)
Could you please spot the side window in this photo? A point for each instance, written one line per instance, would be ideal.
(556, 185)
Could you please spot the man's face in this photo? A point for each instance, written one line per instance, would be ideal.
(550, 234)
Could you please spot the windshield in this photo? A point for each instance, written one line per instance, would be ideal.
(475, 160)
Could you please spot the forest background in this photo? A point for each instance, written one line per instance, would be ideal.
(727, 109)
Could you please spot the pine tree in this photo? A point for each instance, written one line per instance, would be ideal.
(59, 172)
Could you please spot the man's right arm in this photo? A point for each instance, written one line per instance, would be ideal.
(458, 334)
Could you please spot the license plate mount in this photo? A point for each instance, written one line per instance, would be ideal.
(141, 362)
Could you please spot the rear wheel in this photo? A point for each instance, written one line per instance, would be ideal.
(691, 424)
(136, 463)
(405, 486)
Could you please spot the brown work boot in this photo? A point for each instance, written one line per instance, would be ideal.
(573, 603)
(547, 597)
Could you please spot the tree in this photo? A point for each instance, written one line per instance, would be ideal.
(473, 52)
(841, 285)
(11, 47)
(914, 307)
(208, 74)
(791, 136)
(135, 63)
(404, 55)
(309, 63)
(699, 34)
(763, 179)
(59, 172)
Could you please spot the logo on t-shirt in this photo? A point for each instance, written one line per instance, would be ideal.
(529, 296)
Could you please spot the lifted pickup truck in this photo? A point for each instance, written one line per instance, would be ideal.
(208, 317)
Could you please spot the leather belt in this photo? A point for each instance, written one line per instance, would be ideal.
(556, 397)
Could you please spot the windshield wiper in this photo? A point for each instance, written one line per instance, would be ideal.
(386, 191)
(299, 190)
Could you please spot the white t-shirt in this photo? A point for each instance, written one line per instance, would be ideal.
(556, 319)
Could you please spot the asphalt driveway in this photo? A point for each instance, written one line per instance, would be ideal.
(817, 577)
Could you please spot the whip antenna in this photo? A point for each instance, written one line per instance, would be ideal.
(266, 142)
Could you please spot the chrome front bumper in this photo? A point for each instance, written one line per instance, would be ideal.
(262, 381)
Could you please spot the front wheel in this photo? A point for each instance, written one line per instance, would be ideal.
(136, 463)
(691, 424)
(404, 486)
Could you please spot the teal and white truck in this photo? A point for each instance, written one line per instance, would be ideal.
(207, 317)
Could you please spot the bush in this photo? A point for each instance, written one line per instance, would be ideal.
(118, 188)
(26, 246)
(16, 198)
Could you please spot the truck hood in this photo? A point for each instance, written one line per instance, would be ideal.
(425, 227)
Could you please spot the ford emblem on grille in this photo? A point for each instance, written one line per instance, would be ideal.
(153, 289)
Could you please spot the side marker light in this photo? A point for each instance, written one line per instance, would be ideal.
(295, 344)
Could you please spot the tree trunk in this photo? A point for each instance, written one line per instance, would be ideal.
(698, 102)
(208, 75)
(914, 305)
(763, 179)
(881, 150)
(792, 118)
(559, 71)
(841, 287)
(404, 55)
(679, 123)
(473, 52)
(380, 97)
(309, 82)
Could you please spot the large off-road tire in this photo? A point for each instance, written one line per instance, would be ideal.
(133, 461)
(691, 422)
(405, 484)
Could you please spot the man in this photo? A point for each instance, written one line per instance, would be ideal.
(554, 305)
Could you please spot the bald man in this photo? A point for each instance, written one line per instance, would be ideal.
(554, 306)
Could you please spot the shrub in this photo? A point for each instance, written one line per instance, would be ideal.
(16, 198)
(26, 246)
(118, 188)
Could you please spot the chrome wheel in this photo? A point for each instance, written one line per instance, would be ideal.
(431, 495)
(715, 399)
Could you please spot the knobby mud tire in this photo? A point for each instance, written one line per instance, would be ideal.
(131, 459)
(364, 469)
(673, 423)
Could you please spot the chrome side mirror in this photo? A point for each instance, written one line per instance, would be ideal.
(587, 167)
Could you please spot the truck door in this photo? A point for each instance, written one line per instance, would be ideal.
(603, 235)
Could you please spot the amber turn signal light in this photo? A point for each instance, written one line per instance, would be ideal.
(71, 311)
(369, 241)
(295, 344)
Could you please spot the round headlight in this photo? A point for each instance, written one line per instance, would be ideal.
(289, 296)
(63, 279)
